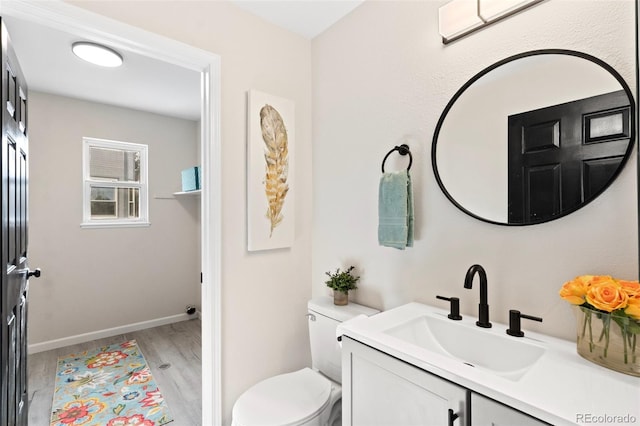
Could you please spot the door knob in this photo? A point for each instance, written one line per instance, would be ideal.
(35, 273)
(453, 416)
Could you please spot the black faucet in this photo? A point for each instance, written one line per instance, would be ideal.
(483, 307)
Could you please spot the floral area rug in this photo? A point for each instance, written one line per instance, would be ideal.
(109, 386)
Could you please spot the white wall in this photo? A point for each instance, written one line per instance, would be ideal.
(264, 294)
(94, 279)
(381, 77)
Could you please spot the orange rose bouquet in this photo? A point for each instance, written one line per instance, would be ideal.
(608, 299)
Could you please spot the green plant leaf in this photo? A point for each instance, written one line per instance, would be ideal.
(626, 323)
(342, 280)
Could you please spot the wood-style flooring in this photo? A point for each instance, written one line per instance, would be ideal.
(177, 345)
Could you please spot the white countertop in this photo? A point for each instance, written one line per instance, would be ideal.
(561, 388)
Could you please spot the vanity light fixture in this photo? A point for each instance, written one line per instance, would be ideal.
(457, 18)
(460, 17)
(97, 54)
(492, 10)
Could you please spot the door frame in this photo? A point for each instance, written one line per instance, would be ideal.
(84, 24)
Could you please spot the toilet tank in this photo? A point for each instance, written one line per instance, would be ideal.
(324, 318)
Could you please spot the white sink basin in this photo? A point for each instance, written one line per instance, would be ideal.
(491, 349)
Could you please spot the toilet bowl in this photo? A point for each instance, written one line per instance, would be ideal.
(310, 396)
(302, 398)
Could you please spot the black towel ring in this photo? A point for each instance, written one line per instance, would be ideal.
(402, 150)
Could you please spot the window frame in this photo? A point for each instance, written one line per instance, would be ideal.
(88, 183)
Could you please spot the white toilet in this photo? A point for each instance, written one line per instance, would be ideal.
(307, 397)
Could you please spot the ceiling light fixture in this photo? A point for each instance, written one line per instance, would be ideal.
(97, 54)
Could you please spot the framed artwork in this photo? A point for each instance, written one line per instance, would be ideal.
(270, 172)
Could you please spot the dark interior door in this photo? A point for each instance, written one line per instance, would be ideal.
(564, 155)
(15, 273)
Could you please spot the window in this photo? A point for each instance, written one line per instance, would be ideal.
(115, 184)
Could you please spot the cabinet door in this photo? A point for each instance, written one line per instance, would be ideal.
(379, 390)
(487, 412)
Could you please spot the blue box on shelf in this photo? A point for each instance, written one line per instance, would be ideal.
(191, 179)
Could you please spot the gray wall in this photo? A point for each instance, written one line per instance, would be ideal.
(264, 294)
(94, 279)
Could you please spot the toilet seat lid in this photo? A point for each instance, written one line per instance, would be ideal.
(286, 399)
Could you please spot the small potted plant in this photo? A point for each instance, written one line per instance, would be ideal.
(341, 282)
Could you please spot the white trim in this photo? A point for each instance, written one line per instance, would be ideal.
(211, 244)
(65, 17)
(113, 144)
(105, 223)
(107, 332)
(69, 18)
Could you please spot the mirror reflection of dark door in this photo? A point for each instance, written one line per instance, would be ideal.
(15, 273)
(563, 155)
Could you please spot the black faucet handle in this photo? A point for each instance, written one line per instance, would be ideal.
(454, 307)
(514, 322)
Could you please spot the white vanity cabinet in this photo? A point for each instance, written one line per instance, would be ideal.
(487, 412)
(412, 365)
(379, 390)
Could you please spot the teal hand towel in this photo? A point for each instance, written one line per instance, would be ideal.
(395, 210)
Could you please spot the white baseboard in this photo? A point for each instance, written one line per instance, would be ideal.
(108, 332)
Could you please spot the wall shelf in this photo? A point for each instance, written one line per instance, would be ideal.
(196, 192)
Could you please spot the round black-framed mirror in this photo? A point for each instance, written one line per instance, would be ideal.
(534, 137)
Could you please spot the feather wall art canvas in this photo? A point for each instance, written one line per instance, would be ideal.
(270, 178)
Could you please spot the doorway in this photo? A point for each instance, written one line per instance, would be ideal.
(89, 26)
